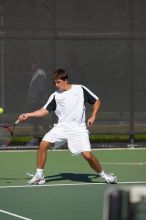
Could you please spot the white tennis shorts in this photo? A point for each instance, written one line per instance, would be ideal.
(77, 140)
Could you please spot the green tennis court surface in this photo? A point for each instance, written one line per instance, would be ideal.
(73, 191)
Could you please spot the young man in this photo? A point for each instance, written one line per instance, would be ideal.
(68, 103)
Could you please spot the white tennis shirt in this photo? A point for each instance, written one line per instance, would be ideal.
(69, 106)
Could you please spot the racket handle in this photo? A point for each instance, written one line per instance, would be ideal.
(17, 122)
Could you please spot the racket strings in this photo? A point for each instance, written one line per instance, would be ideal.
(5, 135)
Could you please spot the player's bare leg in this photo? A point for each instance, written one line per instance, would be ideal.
(38, 178)
(95, 165)
(42, 154)
(92, 160)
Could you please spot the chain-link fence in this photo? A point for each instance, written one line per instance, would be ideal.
(102, 44)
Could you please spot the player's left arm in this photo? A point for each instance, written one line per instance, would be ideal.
(95, 109)
(93, 100)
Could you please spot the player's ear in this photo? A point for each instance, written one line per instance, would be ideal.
(66, 80)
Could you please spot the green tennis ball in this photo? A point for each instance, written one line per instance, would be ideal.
(1, 110)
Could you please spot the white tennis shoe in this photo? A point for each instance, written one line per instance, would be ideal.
(37, 180)
(109, 178)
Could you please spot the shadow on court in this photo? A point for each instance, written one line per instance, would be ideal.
(88, 178)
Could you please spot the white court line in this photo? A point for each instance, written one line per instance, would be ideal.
(73, 184)
(62, 150)
(12, 214)
(125, 163)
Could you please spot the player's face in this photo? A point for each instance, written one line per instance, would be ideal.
(61, 84)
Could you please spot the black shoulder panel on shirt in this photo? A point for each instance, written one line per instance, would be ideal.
(52, 105)
(88, 97)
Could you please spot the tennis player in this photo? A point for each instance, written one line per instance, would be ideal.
(68, 102)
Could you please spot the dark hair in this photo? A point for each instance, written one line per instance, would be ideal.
(60, 74)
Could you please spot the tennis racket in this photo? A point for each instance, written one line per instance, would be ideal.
(7, 133)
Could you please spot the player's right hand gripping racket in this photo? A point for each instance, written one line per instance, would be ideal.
(7, 134)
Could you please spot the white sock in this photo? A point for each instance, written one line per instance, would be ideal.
(102, 173)
(40, 172)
